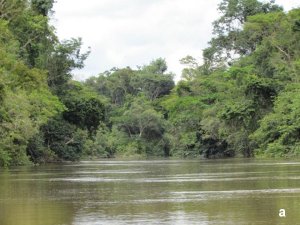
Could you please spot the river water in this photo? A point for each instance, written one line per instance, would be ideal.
(152, 192)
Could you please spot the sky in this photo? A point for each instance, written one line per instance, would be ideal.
(132, 33)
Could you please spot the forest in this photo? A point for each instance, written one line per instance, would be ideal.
(243, 100)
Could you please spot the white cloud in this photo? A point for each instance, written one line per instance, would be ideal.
(288, 4)
(134, 32)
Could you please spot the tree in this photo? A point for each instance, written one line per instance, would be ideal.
(10, 9)
(153, 81)
(42, 7)
(230, 42)
(234, 13)
(145, 127)
(141, 120)
(278, 134)
(26, 102)
(153, 85)
(65, 57)
(32, 30)
(84, 108)
(150, 80)
(158, 66)
(64, 139)
(22, 115)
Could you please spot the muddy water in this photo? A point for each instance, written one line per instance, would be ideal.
(152, 192)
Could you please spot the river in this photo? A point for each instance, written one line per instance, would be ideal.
(171, 192)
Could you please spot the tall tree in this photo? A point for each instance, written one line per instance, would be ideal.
(228, 43)
(42, 7)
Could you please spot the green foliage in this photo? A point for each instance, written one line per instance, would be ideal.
(10, 9)
(140, 119)
(26, 102)
(135, 130)
(64, 139)
(216, 110)
(115, 85)
(158, 66)
(102, 145)
(65, 57)
(144, 128)
(27, 45)
(258, 78)
(151, 80)
(84, 108)
(153, 85)
(243, 100)
(21, 122)
(230, 41)
(37, 152)
(278, 134)
(234, 13)
(42, 7)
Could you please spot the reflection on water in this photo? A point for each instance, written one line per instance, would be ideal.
(152, 192)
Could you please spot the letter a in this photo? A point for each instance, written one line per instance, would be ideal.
(282, 213)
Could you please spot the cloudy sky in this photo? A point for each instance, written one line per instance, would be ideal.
(134, 32)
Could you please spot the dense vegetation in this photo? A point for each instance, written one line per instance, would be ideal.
(244, 99)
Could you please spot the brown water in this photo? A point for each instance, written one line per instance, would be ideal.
(152, 192)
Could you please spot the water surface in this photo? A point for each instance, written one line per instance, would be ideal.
(152, 192)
